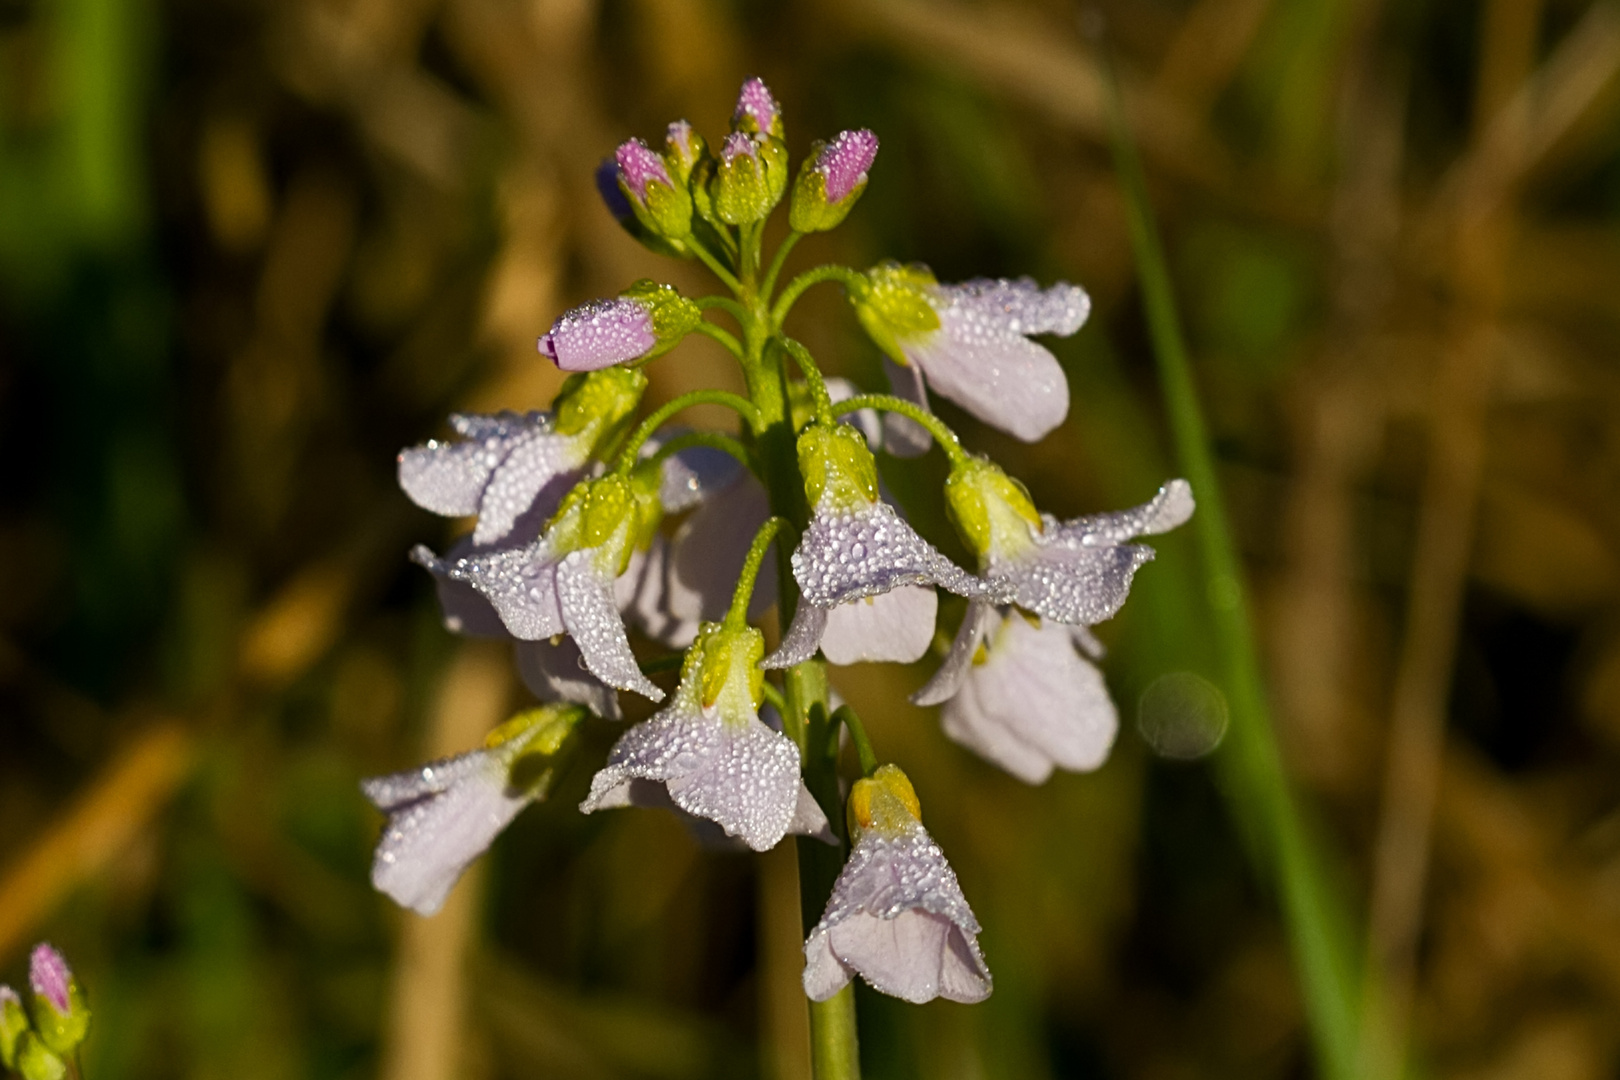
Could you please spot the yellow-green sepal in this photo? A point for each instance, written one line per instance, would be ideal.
(993, 512)
(837, 466)
(894, 306)
(725, 666)
(597, 404)
(36, 1061)
(537, 744)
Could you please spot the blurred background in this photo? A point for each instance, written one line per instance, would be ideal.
(251, 248)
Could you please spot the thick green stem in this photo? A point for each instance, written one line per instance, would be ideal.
(857, 732)
(1256, 780)
(834, 1045)
(853, 280)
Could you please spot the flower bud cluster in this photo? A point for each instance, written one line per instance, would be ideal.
(37, 1041)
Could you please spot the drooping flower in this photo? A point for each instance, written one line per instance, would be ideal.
(858, 546)
(645, 320)
(1074, 572)
(831, 181)
(897, 916)
(514, 468)
(709, 751)
(444, 815)
(971, 341)
(1021, 693)
(60, 1015)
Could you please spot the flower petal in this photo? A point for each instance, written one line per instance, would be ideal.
(554, 670)
(449, 477)
(1034, 704)
(1003, 379)
(585, 599)
(809, 819)
(980, 617)
(1021, 306)
(896, 626)
(865, 420)
(463, 608)
(693, 475)
(845, 555)
(441, 817)
(520, 583)
(1073, 584)
(529, 483)
(1171, 507)
(902, 436)
(649, 596)
(710, 548)
(802, 639)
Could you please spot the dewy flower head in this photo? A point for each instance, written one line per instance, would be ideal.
(514, 467)
(856, 545)
(831, 181)
(564, 581)
(61, 1017)
(663, 206)
(643, 321)
(710, 754)
(1075, 572)
(1018, 691)
(757, 112)
(897, 916)
(444, 815)
(971, 342)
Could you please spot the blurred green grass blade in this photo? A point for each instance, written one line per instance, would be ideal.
(1254, 778)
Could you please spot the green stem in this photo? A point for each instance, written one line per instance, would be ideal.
(1258, 784)
(737, 617)
(729, 306)
(632, 447)
(713, 264)
(853, 280)
(774, 697)
(812, 375)
(721, 335)
(769, 284)
(863, 745)
(889, 403)
(714, 439)
(834, 1046)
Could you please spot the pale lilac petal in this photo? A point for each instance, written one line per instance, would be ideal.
(844, 161)
(1004, 379)
(649, 597)
(846, 555)
(529, 484)
(554, 670)
(1087, 642)
(1021, 306)
(1071, 584)
(638, 166)
(1034, 704)
(585, 600)
(742, 776)
(600, 334)
(695, 474)
(902, 436)
(449, 477)
(50, 978)
(710, 548)
(440, 818)
(980, 617)
(896, 626)
(1171, 507)
(809, 819)
(802, 639)
(519, 583)
(755, 103)
(897, 917)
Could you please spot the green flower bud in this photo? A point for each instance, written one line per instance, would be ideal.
(836, 463)
(992, 511)
(35, 1061)
(895, 306)
(661, 204)
(683, 149)
(13, 1022)
(598, 403)
(727, 665)
(751, 180)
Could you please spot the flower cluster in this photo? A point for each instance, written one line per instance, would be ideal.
(39, 1040)
(589, 526)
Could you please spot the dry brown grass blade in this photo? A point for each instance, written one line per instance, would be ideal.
(426, 1027)
(99, 826)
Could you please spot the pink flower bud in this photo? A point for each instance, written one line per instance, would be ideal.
(639, 166)
(844, 161)
(737, 144)
(600, 334)
(757, 110)
(49, 976)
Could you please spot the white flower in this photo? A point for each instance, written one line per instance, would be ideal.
(443, 815)
(1023, 696)
(896, 916)
(709, 752)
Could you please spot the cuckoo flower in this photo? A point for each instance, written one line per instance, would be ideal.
(443, 815)
(645, 320)
(831, 181)
(1021, 693)
(710, 754)
(897, 916)
(514, 467)
(1074, 572)
(971, 342)
(662, 205)
(563, 583)
(858, 546)
(59, 1012)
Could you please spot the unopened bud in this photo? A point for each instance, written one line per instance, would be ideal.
(837, 465)
(657, 201)
(36, 1061)
(598, 403)
(683, 149)
(13, 1022)
(751, 178)
(831, 181)
(757, 112)
(885, 802)
(58, 1008)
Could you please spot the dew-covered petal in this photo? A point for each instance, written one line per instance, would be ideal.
(1034, 704)
(529, 483)
(802, 639)
(690, 476)
(902, 436)
(586, 602)
(980, 617)
(742, 776)
(449, 477)
(1021, 306)
(649, 597)
(600, 334)
(1004, 379)
(554, 670)
(1072, 584)
(440, 818)
(519, 583)
(463, 608)
(896, 626)
(1171, 507)
(898, 918)
(710, 548)
(867, 550)
(809, 819)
